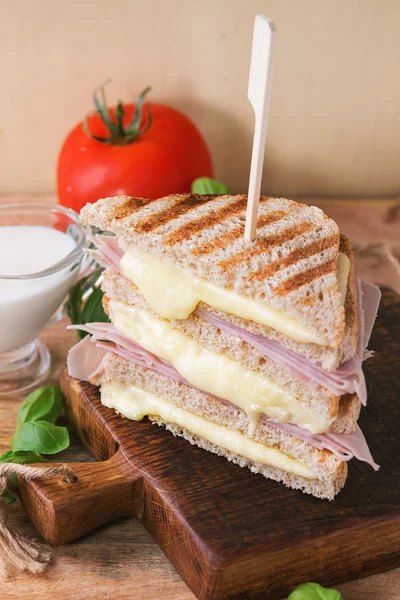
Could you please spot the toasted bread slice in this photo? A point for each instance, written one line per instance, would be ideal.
(292, 265)
(344, 411)
(330, 472)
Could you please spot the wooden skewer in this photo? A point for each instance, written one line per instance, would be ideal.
(259, 94)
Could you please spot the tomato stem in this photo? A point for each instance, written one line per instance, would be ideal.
(118, 134)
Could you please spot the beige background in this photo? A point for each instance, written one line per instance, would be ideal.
(335, 113)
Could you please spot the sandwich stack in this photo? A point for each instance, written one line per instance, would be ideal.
(250, 350)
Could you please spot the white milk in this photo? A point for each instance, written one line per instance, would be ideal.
(27, 305)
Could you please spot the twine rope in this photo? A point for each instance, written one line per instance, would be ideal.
(18, 553)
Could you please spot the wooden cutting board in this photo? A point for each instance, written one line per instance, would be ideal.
(230, 533)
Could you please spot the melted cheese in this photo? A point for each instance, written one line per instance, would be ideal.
(214, 373)
(135, 404)
(174, 295)
(343, 269)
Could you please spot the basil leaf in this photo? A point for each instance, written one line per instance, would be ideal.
(74, 303)
(45, 404)
(26, 457)
(41, 437)
(36, 432)
(314, 591)
(7, 456)
(93, 310)
(21, 457)
(205, 185)
(9, 497)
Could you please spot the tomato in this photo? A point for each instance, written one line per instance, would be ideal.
(163, 157)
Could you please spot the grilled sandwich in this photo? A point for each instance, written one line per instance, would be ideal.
(248, 349)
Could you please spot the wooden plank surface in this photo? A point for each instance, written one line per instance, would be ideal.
(106, 564)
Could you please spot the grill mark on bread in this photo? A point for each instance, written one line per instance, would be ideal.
(184, 205)
(269, 218)
(129, 207)
(267, 243)
(219, 242)
(231, 236)
(306, 277)
(316, 247)
(204, 222)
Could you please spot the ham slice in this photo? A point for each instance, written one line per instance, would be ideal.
(344, 445)
(107, 252)
(355, 445)
(348, 378)
(85, 360)
(106, 337)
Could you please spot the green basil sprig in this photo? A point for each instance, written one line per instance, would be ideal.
(89, 310)
(314, 591)
(205, 185)
(36, 432)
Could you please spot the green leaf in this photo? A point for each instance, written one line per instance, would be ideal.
(7, 456)
(21, 457)
(43, 404)
(314, 591)
(27, 457)
(41, 437)
(74, 303)
(9, 497)
(205, 185)
(80, 312)
(93, 310)
(36, 433)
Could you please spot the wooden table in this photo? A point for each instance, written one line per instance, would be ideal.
(121, 561)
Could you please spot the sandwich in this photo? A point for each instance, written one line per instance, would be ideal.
(251, 350)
